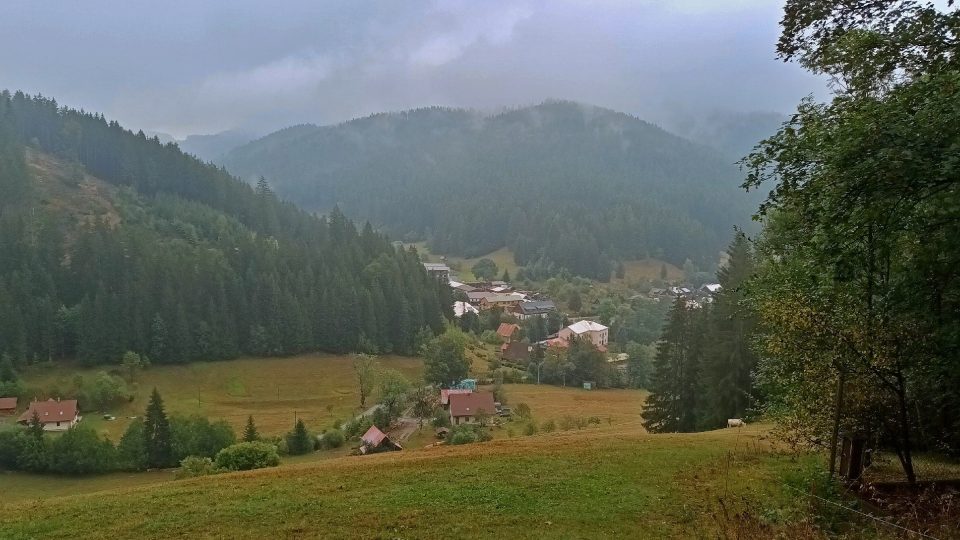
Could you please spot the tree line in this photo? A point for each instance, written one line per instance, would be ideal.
(185, 262)
(702, 372)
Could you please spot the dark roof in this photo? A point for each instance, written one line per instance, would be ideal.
(8, 403)
(472, 404)
(515, 352)
(51, 411)
(537, 306)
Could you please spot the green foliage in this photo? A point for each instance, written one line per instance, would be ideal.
(530, 429)
(662, 197)
(858, 292)
(333, 438)
(444, 358)
(485, 269)
(80, 450)
(246, 456)
(188, 263)
(197, 436)
(103, 392)
(156, 434)
(299, 441)
(132, 449)
(549, 426)
(522, 410)
(193, 466)
(467, 434)
(394, 391)
(365, 366)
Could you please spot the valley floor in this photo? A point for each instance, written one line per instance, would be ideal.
(597, 482)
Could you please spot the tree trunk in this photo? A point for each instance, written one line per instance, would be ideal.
(837, 413)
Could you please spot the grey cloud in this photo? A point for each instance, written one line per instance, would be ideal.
(196, 67)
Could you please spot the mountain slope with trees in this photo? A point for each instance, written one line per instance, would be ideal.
(562, 184)
(113, 242)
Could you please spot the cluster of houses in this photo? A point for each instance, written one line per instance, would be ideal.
(695, 297)
(522, 305)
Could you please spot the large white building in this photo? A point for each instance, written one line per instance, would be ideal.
(597, 333)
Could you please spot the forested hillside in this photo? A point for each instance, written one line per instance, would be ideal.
(112, 242)
(561, 184)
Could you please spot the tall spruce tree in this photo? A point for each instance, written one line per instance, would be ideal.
(729, 361)
(250, 432)
(156, 433)
(673, 403)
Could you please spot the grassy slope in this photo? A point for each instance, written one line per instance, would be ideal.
(319, 388)
(645, 269)
(598, 482)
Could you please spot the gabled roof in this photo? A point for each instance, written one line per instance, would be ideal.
(711, 287)
(51, 411)
(476, 296)
(373, 436)
(8, 403)
(472, 404)
(581, 327)
(447, 392)
(506, 330)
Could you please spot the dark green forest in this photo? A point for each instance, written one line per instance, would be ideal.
(564, 185)
(182, 261)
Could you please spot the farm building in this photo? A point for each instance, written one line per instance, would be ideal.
(508, 331)
(374, 441)
(516, 352)
(469, 408)
(438, 270)
(8, 406)
(55, 415)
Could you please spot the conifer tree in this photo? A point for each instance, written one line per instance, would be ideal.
(298, 440)
(156, 433)
(672, 405)
(250, 432)
(729, 361)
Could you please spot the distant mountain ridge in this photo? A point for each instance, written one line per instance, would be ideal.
(564, 185)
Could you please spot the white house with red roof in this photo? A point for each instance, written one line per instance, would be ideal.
(467, 408)
(54, 414)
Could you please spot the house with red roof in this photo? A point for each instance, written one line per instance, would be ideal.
(469, 408)
(445, 394)
(54, 414)
(8, 406)
(508, 331)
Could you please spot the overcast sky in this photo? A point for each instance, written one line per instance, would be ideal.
(184, 67)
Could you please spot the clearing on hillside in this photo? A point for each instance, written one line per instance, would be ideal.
(594, 483)
(318, 388)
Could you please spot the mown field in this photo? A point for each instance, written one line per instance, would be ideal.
(317, 388)
(596, 483)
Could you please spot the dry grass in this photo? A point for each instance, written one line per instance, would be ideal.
(649, 269)
(553, 403)
(317, 388)
(593, 483)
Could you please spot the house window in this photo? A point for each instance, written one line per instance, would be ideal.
(58, 424)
